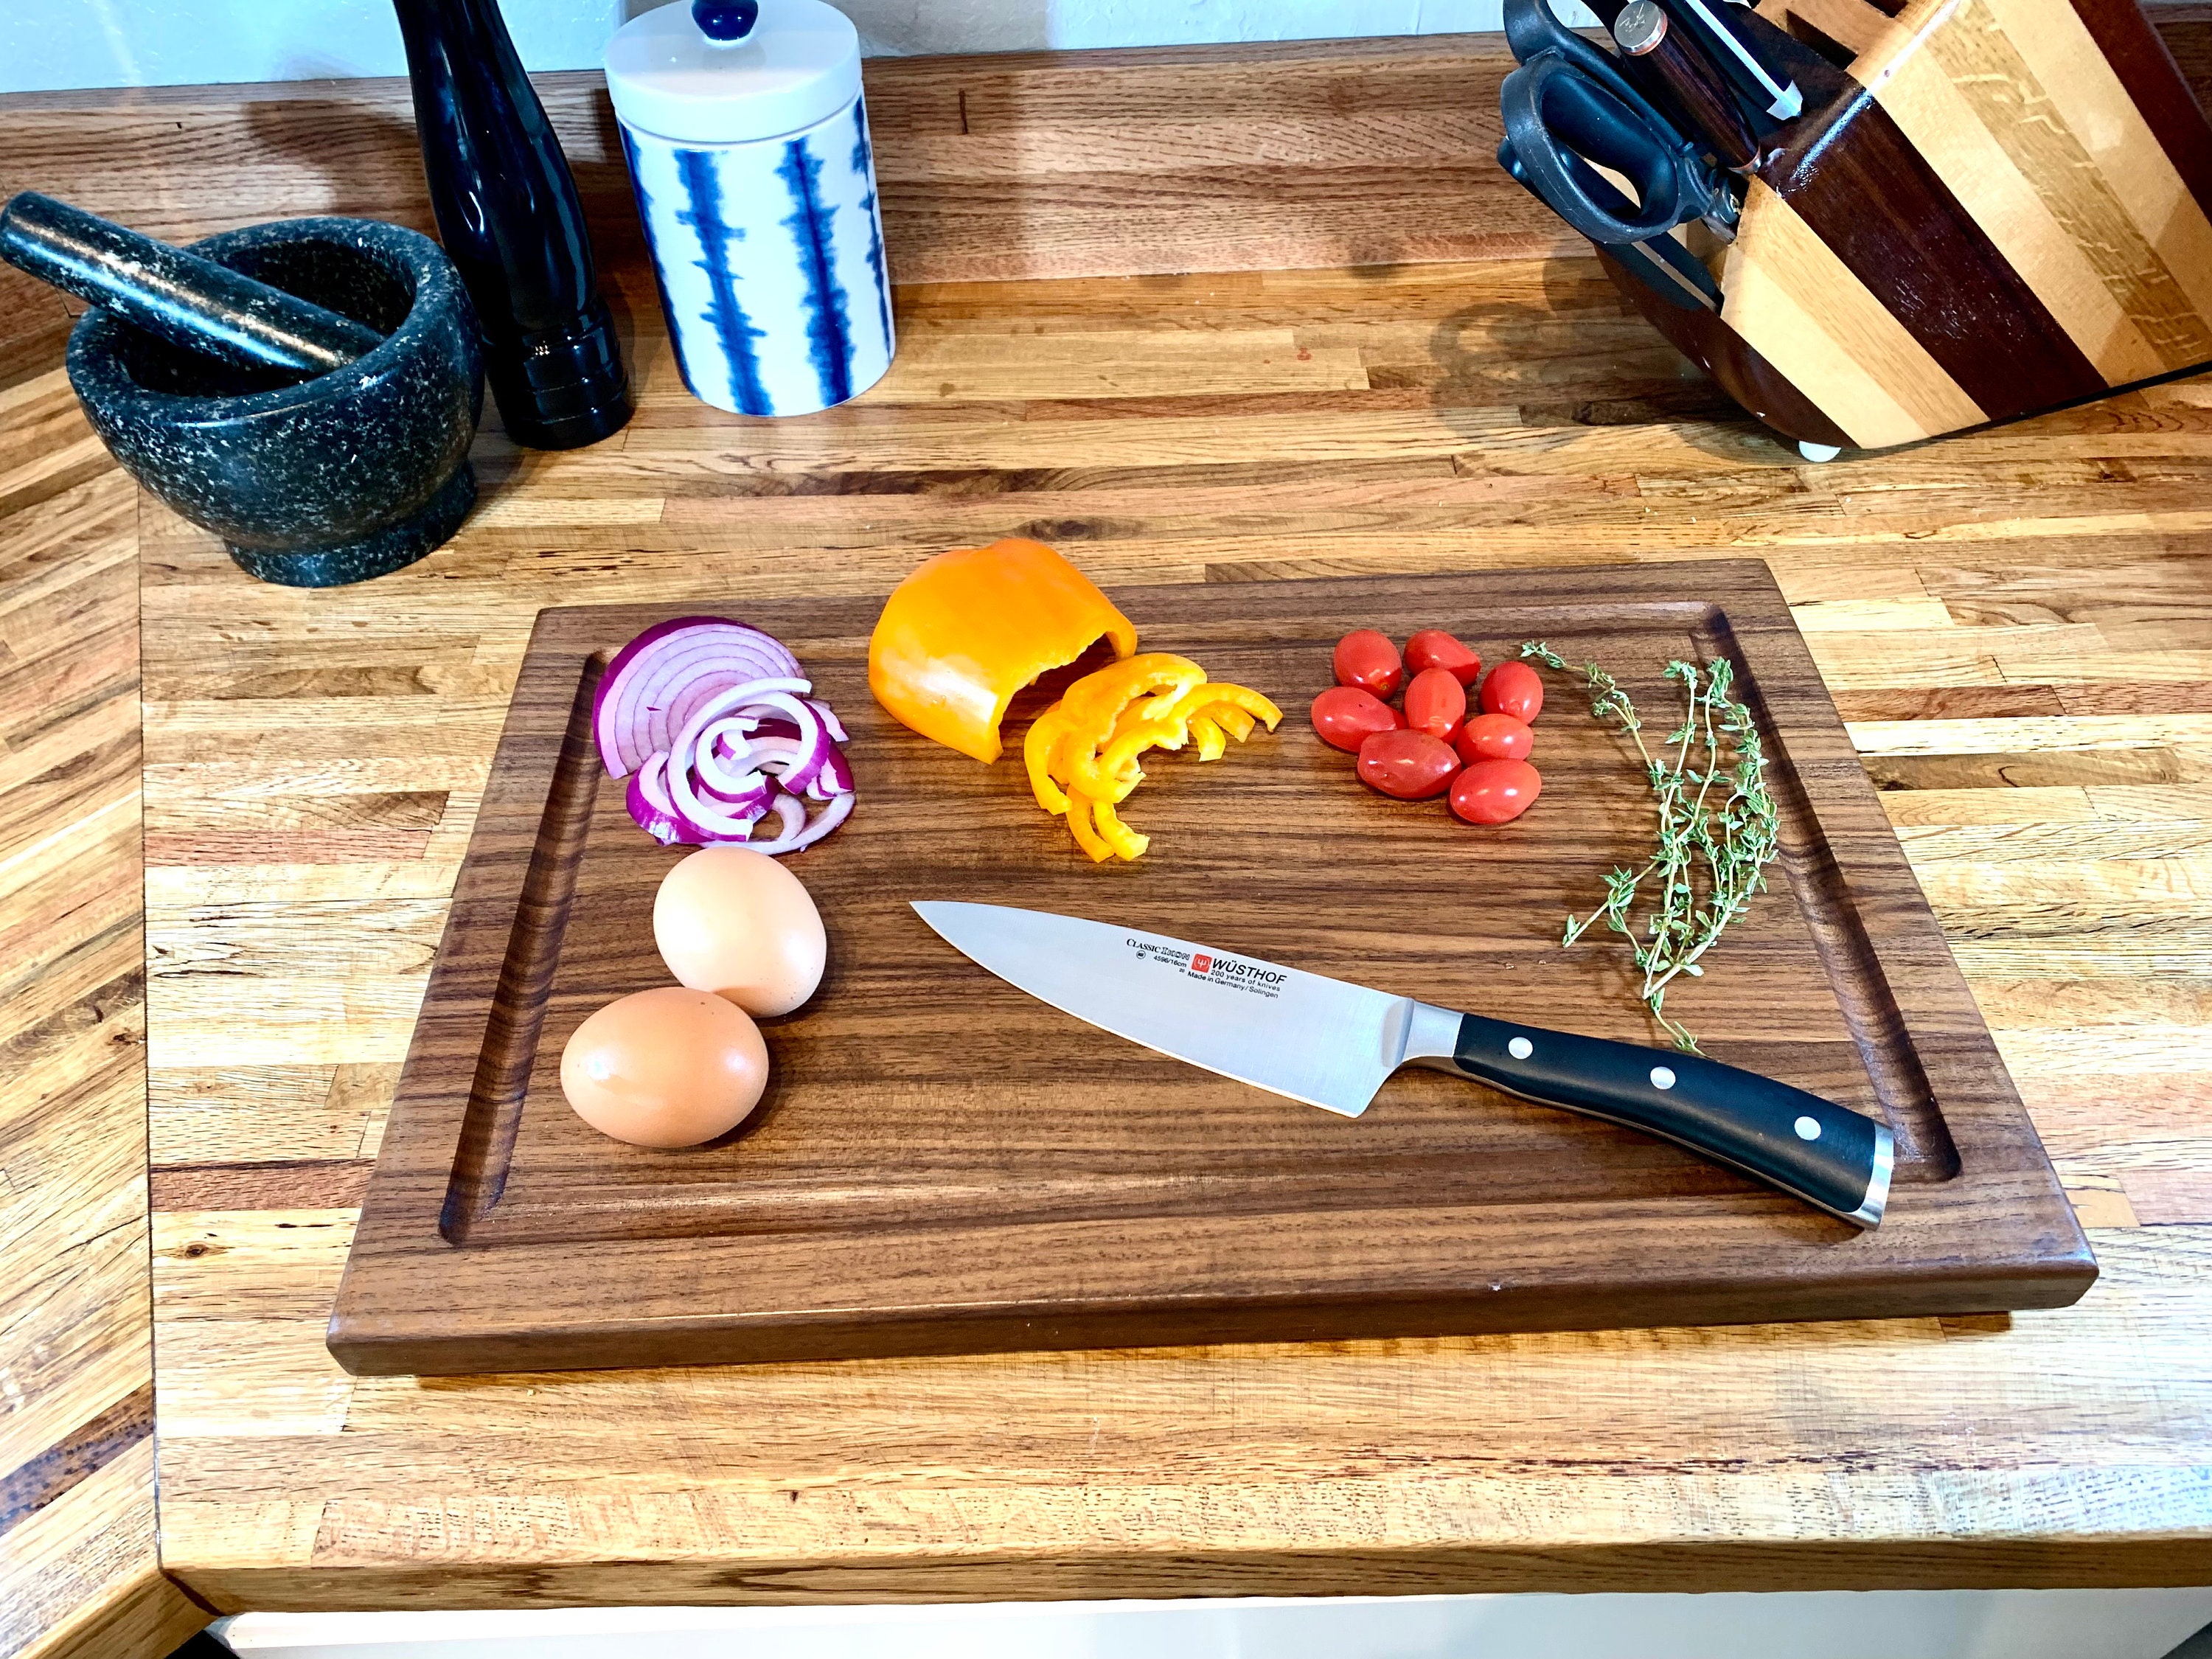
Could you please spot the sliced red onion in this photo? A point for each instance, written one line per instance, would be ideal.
(749, 800)
(653, 811)
(777, 695)
(835, 777)
(771, 697)
(768, 761)
(656, 682)
(793, 815)
(714, 725)
(793, 829)
(660, 825)
(723, 768)
(724, 754)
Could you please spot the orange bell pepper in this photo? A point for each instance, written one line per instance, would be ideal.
(969, 628)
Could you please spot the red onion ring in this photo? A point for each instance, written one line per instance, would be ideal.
(778, 695)
(792, 813)
(748, 800)
(726, 743)
(762, 697)
(653, 683)
(651, 809)
(770, 758)
(835, 777)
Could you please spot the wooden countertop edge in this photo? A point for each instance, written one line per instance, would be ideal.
(1711, 1566)
(79, 1577)
(147, 1616)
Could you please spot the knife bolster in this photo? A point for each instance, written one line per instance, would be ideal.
(1431, 1038)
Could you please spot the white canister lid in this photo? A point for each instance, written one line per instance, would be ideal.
(799, 64)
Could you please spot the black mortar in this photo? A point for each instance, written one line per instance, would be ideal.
(312, 483)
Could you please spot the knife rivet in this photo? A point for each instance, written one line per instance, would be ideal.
(1662, 1078)
(1809, 1128)
(1520, 1047)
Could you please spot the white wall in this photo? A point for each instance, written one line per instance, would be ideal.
(49, 45)
(2144, 1623)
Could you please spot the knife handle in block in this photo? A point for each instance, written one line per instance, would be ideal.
(1831, 1157)
(1642, 32)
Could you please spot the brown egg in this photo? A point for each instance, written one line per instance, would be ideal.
(736, 922)
(668, 1067)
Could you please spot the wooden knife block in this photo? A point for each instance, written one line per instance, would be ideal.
(1990, 207)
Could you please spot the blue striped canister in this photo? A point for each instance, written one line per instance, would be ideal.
(755, 180)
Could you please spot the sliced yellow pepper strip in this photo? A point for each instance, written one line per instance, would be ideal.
(971, 627)
(1112, 709)
(1086, 829)
(1126, 842)
(1232, 719)
(1083, 753)
(1044, 731)
(1144, 716)
(1110, 775)
(1250, 701)
(1102, 695)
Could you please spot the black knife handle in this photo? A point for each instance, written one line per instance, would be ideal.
(1811, 1148)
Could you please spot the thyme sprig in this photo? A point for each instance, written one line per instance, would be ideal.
(1717, 829)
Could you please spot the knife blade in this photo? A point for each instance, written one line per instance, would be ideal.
(1332, 1044)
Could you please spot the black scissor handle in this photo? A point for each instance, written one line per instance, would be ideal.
(1555, 115)
(1532, 28)
(1683, 283)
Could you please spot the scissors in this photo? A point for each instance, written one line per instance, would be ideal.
(1569, 112)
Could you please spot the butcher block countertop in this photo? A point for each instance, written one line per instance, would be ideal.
(2015, 624)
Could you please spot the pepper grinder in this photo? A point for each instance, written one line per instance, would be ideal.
(509, 214)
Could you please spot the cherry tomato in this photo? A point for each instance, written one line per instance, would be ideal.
(1494, 737)
(1434, 648)
(1435, 704)
(1513, 689)
(1407, 765)
(1492, 790)
(1368, 659)
(1346, 717)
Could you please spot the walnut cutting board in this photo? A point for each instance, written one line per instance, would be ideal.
(943, 1164)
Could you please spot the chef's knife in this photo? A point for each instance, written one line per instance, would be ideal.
(1331, 1044)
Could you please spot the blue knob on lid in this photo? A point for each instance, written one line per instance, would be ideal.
(725, 21)
(727, 71)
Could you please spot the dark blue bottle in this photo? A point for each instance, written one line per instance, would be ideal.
(509, 214)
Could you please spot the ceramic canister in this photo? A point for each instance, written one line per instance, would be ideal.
(758, 186)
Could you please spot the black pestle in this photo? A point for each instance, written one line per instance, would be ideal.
(189, 302)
